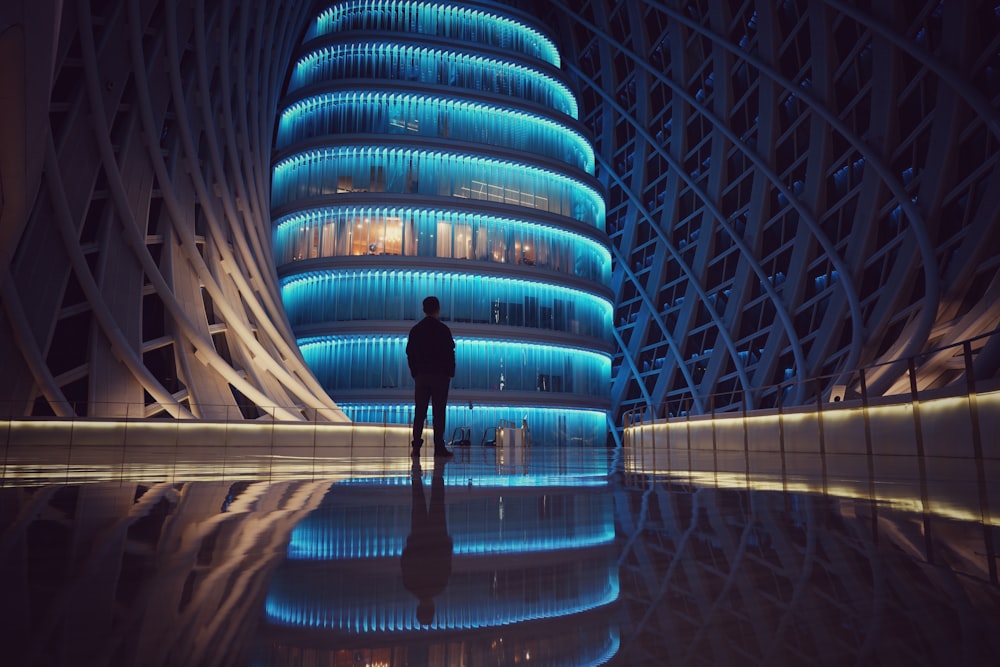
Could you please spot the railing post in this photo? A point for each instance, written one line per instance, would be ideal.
(781, 436)
(977, 448)
(746, 436)
(870, 454)
(715, 444)
(918, 434)
(821, 431)
(687, 423)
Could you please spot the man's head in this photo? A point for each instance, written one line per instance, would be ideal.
(432, 306)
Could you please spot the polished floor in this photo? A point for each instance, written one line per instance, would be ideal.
(509, 556)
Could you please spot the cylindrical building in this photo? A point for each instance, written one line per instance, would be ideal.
(434, 149)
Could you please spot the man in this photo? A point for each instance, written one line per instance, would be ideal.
(430, 353)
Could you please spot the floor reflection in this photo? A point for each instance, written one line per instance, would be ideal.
(548, 557)
(510, 564)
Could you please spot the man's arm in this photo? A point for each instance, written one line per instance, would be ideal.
(451, 355)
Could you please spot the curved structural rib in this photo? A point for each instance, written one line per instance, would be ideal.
(138, 279)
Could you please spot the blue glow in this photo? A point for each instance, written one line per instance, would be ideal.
(387, 61)
(493, 142)
(353, 231)
(348, 362)
(492, 524)
(550, 426)
(363, 112)
(343, 169)
(611, 649)
(322, 543)
(370, 294)
(468, 602)
(593, 475)
(452, 21)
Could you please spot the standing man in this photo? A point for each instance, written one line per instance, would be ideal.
(430, 353)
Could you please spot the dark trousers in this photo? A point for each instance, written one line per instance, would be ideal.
(433, 390)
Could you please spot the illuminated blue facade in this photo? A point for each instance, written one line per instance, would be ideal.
(435, 149)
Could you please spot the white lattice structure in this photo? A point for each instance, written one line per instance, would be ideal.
(137, 272)
(795, 189)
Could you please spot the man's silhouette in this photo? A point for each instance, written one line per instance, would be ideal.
(430, 354)
(426, 560)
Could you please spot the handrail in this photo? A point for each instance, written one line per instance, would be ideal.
(638, 415)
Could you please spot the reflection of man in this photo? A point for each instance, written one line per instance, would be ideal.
(426, 560)
(430, 353)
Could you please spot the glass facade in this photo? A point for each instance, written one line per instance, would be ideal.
(405, 169)
(414, 232)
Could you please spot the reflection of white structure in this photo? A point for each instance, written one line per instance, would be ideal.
(168, 574)
(938, 451)
(533, 568)
(731, 576)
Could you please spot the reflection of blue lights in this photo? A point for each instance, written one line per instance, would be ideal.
(360, 112)
(459, 608)
(386, 60)
(481, 526)
(315, 543)
(453, 21)
(611, 648)
(594, 478)
(373, 361)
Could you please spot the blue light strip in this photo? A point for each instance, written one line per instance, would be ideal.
(592, 474)
(551, 426)
(323, 543)
(342, 363)
(370, 294)
(341, 169)
(463, 346)
(611, 649)
(447, 20)
(387, 61)
(480, 525)
(466, 604)
(363, 112)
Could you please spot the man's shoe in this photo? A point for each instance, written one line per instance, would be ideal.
(415, 447)
(442, 453)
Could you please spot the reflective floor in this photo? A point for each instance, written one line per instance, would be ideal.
(548, 556)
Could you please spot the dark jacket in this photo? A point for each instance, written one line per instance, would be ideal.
(430, 349)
